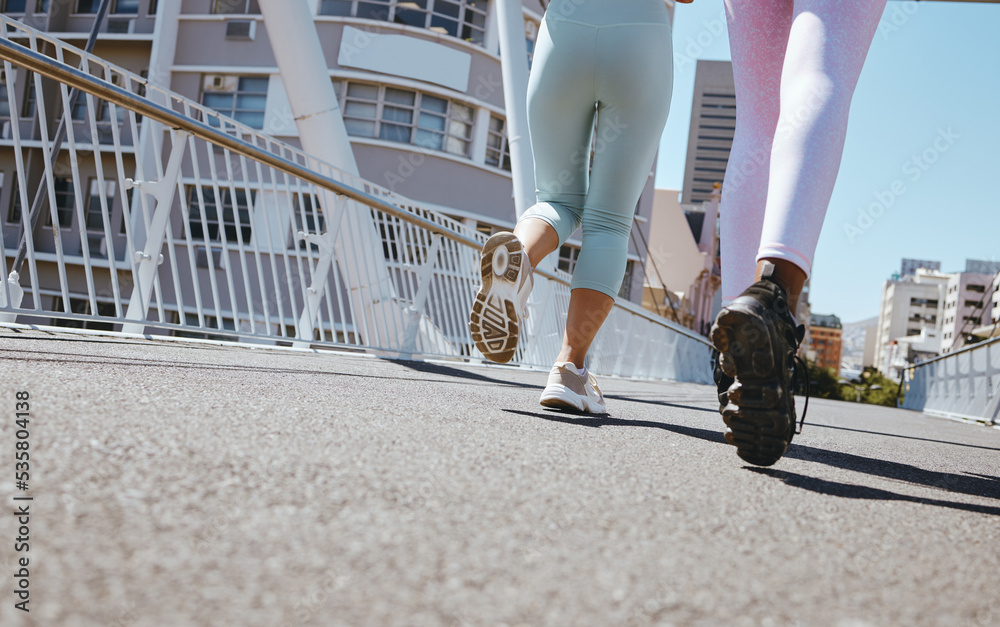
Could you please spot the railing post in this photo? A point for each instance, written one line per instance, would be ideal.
(539, 311)
(415, 312)
(335, 206)
(12, 287)
(360, 240)
(146, 261)
(623, 345)
(300, 58)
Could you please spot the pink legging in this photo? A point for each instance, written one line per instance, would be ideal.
(801, 58)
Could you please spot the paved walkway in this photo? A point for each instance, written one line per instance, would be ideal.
(180, 484)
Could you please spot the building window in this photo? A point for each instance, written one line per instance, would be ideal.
(28, 110)
(14, 6)
(979, 289)
(626, 287)
(408, 117)
(12, 217)
(14, 212)
(204, 219)
(567, 257)
(42, 6)
(243, 98)
(211, 322)
(497, 148)
(372, 9)
(4, 101)
(82, 306)
(530, 36)
(444, 125)
(87, 6)
(151, 9)
(238, 7)
(81, 107)
(64, 203)
(126, 7)
(465, 19)
(308, 217)
(95, 215)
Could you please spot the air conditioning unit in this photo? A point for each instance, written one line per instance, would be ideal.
(220, 82)
(121, 25)
(98, 246)
(243, 30)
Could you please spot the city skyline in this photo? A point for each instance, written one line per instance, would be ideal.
(919, 147)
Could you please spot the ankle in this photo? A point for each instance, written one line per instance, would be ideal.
(788, 276)
(566, 358)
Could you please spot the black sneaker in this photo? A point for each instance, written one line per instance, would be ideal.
(757, 339)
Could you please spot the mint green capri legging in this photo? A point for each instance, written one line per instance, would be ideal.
(611, 59)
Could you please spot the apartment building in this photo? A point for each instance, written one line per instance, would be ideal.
(995, 316)
(682, 267)
(825, 341)
(418, 83)
(911, 306)
(713, 123)
(925, 312)
(990, 320)
(964, 309)
(969, 301)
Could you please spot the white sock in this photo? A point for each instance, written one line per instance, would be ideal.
(571, 366)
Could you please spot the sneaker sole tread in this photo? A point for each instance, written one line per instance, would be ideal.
(493, 321)
(757, 425)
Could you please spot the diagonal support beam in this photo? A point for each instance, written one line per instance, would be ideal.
(415, 312)
(147, 260)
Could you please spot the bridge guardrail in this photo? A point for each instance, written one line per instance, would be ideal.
(173, 218)
(964, 384)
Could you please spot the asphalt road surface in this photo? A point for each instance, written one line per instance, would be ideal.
(197, 484)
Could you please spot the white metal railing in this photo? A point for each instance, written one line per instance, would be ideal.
(203, 226)
(964, 384)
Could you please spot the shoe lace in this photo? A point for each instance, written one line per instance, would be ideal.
(805, 370)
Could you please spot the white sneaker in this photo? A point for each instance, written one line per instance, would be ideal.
(567, 389)
(502, 301)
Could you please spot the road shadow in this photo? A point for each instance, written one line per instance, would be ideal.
(632, 399)
(596, 422)
(850, 491)
(458, 373)
(969, 484)
(77, 359)
(973, 485)
(905, 437)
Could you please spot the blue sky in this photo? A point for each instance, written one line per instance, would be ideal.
(933, 71)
